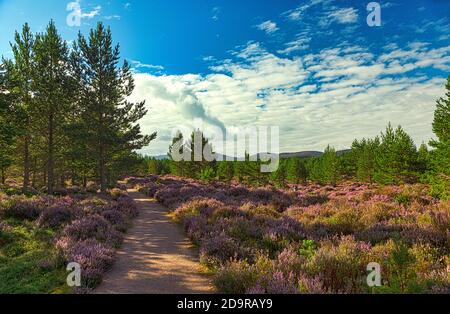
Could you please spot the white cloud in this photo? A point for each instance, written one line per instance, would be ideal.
(112, 17)
(268, 26)
(297, 13)
(139, 65)
(215, 13)
(326, 98)
(95, 12)
(300, 43)
(343, 16)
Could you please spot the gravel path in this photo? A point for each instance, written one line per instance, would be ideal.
(155, 257)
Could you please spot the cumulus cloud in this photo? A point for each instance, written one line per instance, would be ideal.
(329, 97)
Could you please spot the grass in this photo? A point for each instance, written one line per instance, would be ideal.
(28, 261)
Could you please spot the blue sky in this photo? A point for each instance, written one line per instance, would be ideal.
(314, 67)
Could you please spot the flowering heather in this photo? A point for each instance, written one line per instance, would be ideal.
(116, 218)
(56, 216)
(94, 258)
(87, 228)
(126, 206)
(22, 208)
(311, 239)
(93, 227)
(90, 240)
(282, 284)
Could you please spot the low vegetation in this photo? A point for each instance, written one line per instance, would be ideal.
(312, 239)
(41, 235)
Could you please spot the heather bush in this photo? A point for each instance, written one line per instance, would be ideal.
(126, 206)
(197, 228)
(285, 228)
(236, 277)
(312, 238)
(341, 264)
(93, 227)
(312, 285)
(94, 205)
(199, 206)
(220, 248)
(22, 208)
(116, 218)
(280, 283)
(57, 216)
(260, 210)
(117, 193)
(94, 258)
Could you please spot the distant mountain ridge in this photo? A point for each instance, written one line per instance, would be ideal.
(303, 154)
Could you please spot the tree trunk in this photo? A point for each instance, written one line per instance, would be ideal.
(26, 163)
(50, 163)
(103, 184)
(33, 177)
(3, 176)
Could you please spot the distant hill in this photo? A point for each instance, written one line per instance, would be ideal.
(161, 157)
(305, 154)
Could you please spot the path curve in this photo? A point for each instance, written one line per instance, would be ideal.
(155, 258)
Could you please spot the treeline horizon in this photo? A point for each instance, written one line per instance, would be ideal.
(388, 159)
(65, 119)
(64, 113)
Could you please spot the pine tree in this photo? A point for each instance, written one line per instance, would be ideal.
(330, 166)
(441, 127)
(423, 156)
(296, 171)
(7, 128)
(109, 117)
(177, 164)
(280, 176)
(365, 154)
(50, 84)
(397, 158)
(440, 157)
(225, 171)
(22, 70)
(197, 161)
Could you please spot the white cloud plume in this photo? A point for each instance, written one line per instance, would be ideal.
(268, 26)
(326, 98)
(343, 16)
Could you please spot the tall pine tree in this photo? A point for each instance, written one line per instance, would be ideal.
(111, 120)
(51, 87)
(22, 70)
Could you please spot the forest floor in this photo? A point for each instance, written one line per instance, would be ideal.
(156, 257)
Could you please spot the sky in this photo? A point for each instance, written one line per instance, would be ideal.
(313, 68)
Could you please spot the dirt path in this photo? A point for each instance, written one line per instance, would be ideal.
(155, 257)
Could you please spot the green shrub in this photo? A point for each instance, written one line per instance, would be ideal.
(403, 199)
(440, 187)
(207, 174)
(235, 278)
